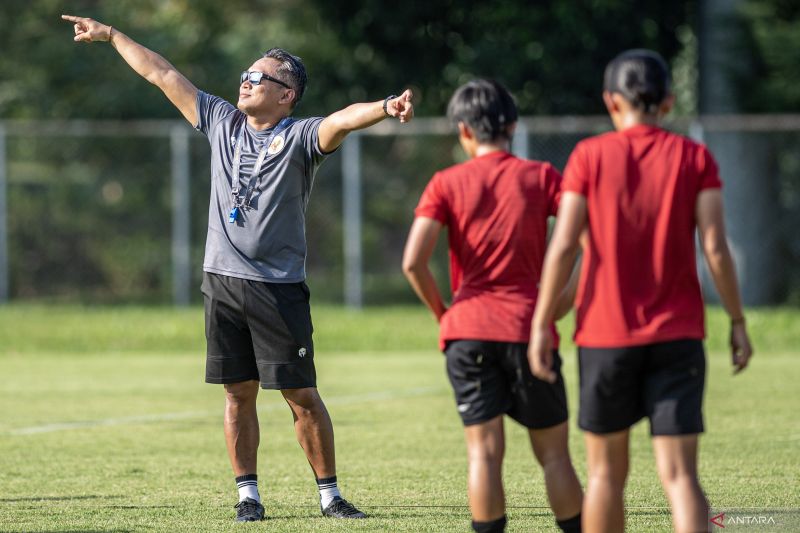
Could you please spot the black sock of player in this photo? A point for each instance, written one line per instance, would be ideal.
(494, 526)
(570, 525)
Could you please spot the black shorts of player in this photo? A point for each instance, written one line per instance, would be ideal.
(663, 382)
(494, 378)
(258, 331)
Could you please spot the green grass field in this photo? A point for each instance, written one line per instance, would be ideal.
(106, 425)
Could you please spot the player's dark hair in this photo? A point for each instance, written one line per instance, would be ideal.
(486, 107)
(641, 77)
(291, 71)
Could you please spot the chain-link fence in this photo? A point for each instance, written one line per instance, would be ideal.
(116, 212)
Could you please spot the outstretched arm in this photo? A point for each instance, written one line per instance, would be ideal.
(419, 248)
(335, 127)
(711, 226)
(145, 62)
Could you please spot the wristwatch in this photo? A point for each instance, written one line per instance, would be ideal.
(386, 102)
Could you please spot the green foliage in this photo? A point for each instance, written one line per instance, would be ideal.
(774, 38)
(551, 55)
(45, 75)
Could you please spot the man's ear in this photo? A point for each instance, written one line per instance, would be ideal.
(666, 105)
(511, 129)
(610, 101)
(288, 97)
(465, 131)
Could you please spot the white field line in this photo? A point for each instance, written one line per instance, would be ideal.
(188, 415)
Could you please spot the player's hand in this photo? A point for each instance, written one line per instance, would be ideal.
(540, 355)
(741, 350)
(401, 107)
(88, 30)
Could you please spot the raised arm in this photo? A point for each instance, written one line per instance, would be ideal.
(145, 62)
(335, 127)
(711, 226)
(419, 248)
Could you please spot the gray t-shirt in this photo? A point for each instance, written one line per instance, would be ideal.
(268, 241)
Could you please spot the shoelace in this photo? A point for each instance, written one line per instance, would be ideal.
(344, 507)
(247, 507)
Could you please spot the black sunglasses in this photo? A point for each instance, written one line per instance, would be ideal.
(256, 78)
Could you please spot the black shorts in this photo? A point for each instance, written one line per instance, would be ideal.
(258, 330)
(494, 378)
(663, 382)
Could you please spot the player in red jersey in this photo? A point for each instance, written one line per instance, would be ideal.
(495, 207)
(640, 193)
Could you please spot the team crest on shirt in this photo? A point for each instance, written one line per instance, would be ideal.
(276, 145)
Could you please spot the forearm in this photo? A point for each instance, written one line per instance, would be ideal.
(551, 302)
(357, 117)
(567, 297)
(424, 284)
(148, 64)
(723, 272)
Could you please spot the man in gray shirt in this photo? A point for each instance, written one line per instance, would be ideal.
(258, 322)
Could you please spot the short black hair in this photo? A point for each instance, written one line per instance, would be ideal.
(641, 77)
(486, 107)
(291, 71)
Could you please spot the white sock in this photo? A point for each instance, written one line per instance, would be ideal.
(328, 490)
(248, 487)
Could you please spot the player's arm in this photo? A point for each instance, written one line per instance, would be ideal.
(711, 226)
(148, 64)
(335, 127)
(558, 263)
(567, 297)
(416, 256)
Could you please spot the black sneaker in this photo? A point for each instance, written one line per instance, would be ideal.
(249, 510)
(341, 508)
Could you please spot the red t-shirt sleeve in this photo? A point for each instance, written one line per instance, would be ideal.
(433, 203)
(708, 170)
(576, 173)
(551, 182)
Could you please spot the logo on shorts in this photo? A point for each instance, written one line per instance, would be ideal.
(463, 407)
(302, 352)
(276, 145)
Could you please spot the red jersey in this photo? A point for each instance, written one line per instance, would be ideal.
(639, 277)
(495, 208)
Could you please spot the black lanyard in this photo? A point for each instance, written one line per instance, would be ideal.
(241, 202)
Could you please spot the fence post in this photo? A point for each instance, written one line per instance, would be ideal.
(519, 144)
(181, 212)
(3, 218)
(351, 200)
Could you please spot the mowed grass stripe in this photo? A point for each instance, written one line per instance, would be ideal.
(168, 417)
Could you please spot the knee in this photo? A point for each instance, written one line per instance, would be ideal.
(556, 461)
(610, 476)
(305, 403)
(490, 452)
(241, 393)
(679, 478)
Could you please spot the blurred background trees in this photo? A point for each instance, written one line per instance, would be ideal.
(551, 55)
